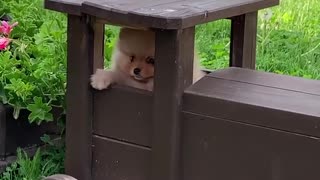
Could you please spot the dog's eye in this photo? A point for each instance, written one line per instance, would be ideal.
(150, 60)
(131, 58)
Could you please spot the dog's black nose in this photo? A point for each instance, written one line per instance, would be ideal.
(136, 71)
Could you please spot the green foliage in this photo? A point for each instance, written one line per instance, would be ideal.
(25, 168)
(29, 14)
(111, 34)
(39, 110)
(44, 163)
(213, 41)
(288, 40)
(33, 70)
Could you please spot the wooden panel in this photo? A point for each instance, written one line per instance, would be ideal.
(79, 97)
(243, 40)
(67, 6)
(2, 132)
(166, 14)
(269, 79)
(173, 73)
(114, 160)
(98, 59)
(124, 113)
(260, 105)
(225, 150)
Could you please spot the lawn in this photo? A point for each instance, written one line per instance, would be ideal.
(288, 40)
(33, 71)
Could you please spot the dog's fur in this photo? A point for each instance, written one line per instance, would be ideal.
(132, 62)
(59, 177)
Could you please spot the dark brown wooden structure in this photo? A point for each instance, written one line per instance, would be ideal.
(20, 133)
(233, 124)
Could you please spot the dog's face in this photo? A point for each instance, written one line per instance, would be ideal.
(141, 68)
(137, 53)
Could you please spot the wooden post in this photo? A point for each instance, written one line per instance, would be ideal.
(173, 73)
(83, 37)
(243, 40)
(98, 45)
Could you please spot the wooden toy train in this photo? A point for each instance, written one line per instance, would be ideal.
(233, 124)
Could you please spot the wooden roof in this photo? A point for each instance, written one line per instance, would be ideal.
(165, 14)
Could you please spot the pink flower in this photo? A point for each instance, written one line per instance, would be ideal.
(5, 28)
(4, 42)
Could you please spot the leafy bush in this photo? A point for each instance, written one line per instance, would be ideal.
(33, 68)
(44, 163)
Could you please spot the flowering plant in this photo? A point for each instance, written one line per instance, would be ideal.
(5, 30)
(33, 66)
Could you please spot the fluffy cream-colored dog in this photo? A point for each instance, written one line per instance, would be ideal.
(133, 62)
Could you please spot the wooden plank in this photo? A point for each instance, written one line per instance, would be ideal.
(66, 6)
(255, 104)
(285, 82)
(116, 160)
(117, 16)
(171, 14)
(226, 150)
(243, 40)
(173, 73)
(3, 133)
(117, 114)
(79, 97)
(98, 59)
(168, 14)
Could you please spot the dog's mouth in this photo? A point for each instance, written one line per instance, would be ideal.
(140, 78)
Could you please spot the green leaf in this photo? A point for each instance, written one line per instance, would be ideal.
(16, 111)
(20, 88)
(39, 111)
(46, 139)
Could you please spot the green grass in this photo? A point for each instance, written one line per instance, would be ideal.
(288, 43)
(45, 162)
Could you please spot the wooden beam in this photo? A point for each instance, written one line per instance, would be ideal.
(243, 40)
(82, 42)
(173, 73)
(98, 54)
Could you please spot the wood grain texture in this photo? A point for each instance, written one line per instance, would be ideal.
(98, 59)
(123, 113)
(256, 103)
(226, 150)
(173, 73)
(243, 40)
(278, 81)
(79, 97)
(115, 160)
(167, 14)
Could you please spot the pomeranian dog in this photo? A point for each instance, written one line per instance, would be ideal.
(133, 62)
(59, 177)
